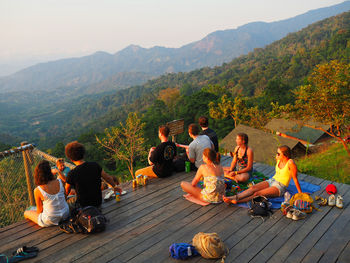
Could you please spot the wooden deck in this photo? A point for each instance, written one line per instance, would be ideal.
(147, 221)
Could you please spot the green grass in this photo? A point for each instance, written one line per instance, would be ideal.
(331, 164)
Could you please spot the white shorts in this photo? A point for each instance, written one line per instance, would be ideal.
(281, 187)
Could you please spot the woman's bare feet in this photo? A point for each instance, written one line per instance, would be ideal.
(230, 200)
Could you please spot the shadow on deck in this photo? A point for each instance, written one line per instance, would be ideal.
(147, 221)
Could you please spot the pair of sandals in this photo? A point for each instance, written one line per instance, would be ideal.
(20, 254)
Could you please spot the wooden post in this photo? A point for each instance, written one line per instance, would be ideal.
(28, 172)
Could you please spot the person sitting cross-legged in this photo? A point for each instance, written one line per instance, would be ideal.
(161, 157)
(241, 168)
(213, 179)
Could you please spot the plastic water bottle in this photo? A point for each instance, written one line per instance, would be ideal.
(286, 197)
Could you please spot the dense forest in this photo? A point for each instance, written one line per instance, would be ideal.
(259, 78)
(266, 75)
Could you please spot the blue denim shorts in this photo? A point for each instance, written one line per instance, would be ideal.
(281, 187)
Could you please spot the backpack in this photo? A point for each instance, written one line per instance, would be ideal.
(209, 245)
(182, 251)
(302, 202)
(260, 206)
(90, 220)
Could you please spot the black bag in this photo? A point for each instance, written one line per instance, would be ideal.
(91, 220)
(179, 165)
(260, 206)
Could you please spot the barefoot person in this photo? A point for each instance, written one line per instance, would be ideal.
(213, 178)
(275, 186)
(242, 163)
(51, 205)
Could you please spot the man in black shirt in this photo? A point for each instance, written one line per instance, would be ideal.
(203, 122)
(86, 178)
(161, 157)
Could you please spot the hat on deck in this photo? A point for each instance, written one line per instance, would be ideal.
(331, 189)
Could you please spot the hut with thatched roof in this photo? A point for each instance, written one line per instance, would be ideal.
(264, 144)
(296, 131)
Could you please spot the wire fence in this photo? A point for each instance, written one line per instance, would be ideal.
(17, 182)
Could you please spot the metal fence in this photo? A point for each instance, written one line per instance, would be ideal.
(16, 181)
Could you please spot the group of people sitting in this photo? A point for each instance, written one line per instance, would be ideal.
(83, 183)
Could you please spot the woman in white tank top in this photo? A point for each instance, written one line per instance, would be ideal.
(51, 205)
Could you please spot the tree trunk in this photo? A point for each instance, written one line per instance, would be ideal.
(345, 145)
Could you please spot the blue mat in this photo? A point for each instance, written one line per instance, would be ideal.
(277, 201)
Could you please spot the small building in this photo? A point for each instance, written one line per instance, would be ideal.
(292, 130)
(264, 144)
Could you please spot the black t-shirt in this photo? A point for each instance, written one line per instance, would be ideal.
(213, 137)
(162, 158)
(86, 179)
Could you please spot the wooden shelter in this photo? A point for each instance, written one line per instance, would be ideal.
(293, 130)
(264, 144)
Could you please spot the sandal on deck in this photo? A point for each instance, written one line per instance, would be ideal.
(23, 253)
(3, 258)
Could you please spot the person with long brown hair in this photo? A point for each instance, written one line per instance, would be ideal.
(213, 178)
(275, 186)
(241, 168)
(51, 205)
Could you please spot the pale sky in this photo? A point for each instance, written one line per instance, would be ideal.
(68, 28)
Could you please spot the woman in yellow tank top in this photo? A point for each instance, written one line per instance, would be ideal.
(275, 186)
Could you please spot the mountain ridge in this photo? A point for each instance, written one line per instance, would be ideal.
(216, 48)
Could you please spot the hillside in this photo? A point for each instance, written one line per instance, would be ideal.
(287, 62)
(101, 71)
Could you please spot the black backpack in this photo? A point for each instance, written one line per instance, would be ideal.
(84, 220)
(259, 207)
(91, 220)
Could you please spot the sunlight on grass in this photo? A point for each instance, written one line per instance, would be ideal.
(331, 164)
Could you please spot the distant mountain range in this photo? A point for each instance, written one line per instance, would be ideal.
(134, 65)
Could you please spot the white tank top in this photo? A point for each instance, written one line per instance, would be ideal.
(55, 207)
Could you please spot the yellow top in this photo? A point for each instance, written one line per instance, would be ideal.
(283, 175)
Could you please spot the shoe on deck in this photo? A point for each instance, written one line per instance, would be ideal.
(297, 215)
(290, 212)
(331, 200)
(339, 201)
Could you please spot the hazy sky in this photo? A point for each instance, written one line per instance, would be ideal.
(61, 28)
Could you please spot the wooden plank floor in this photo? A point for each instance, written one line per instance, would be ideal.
(147, 221)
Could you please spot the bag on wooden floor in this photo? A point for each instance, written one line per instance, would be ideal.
(302, 202)
(209, 245)
(260, 206)
(91, 220)
(84, 220)
(182, 251)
